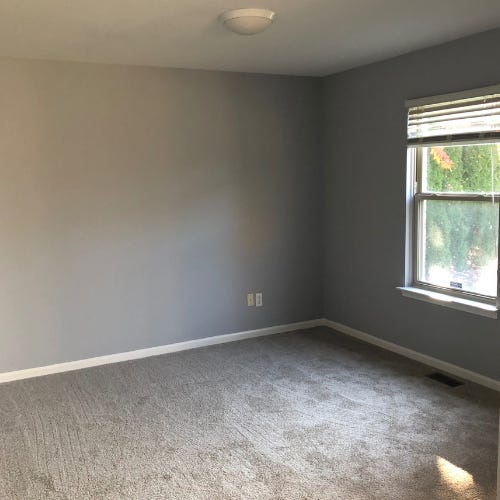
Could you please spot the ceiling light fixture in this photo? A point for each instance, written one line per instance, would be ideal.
(247, 21)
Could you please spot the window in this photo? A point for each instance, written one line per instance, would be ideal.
(454, 201)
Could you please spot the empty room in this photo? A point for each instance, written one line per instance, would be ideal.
(249, 251)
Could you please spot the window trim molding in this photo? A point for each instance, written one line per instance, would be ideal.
(446, 300)
(453, 96)
(411, 162)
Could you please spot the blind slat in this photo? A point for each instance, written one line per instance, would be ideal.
(485, 113)
(450, 140)
(415, 112)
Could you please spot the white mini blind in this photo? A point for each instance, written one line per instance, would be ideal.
(459, 120)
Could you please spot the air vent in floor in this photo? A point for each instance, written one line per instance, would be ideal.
(444, 379)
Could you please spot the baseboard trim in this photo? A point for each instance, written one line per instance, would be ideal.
(416, 356)
(231, 337)
(154, 351)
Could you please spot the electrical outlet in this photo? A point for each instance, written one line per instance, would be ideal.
(258, 299)
(250, 302)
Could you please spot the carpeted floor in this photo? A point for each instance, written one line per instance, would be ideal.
(303, 415)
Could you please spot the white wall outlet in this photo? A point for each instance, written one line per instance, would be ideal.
(258, 299)
(250, 302)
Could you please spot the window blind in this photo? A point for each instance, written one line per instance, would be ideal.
(471, 119)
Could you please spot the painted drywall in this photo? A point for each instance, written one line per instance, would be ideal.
(365, 168)
(138, 206)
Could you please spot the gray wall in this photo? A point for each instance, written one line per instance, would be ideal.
(364, 137)
(139, 205)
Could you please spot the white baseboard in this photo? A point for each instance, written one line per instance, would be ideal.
(416, 356)
(153, 351)
(231, 337)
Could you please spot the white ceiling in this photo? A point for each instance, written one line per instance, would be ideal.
(309, 37)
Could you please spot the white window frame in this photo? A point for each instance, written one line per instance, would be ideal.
(413, 288)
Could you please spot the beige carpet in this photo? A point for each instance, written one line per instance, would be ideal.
(304, 415)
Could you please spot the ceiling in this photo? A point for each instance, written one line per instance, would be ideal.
(309, 37)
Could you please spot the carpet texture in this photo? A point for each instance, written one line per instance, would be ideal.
(303, 415)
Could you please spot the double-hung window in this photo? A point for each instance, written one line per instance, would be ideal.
(453, 200)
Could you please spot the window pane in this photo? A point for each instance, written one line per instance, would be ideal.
(461, 169)
(459, 245)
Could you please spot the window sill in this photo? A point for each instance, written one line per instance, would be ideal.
(470, 306)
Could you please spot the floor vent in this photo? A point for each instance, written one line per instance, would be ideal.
(444, 379)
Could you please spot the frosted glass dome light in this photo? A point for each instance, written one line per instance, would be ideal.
(247, 21)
